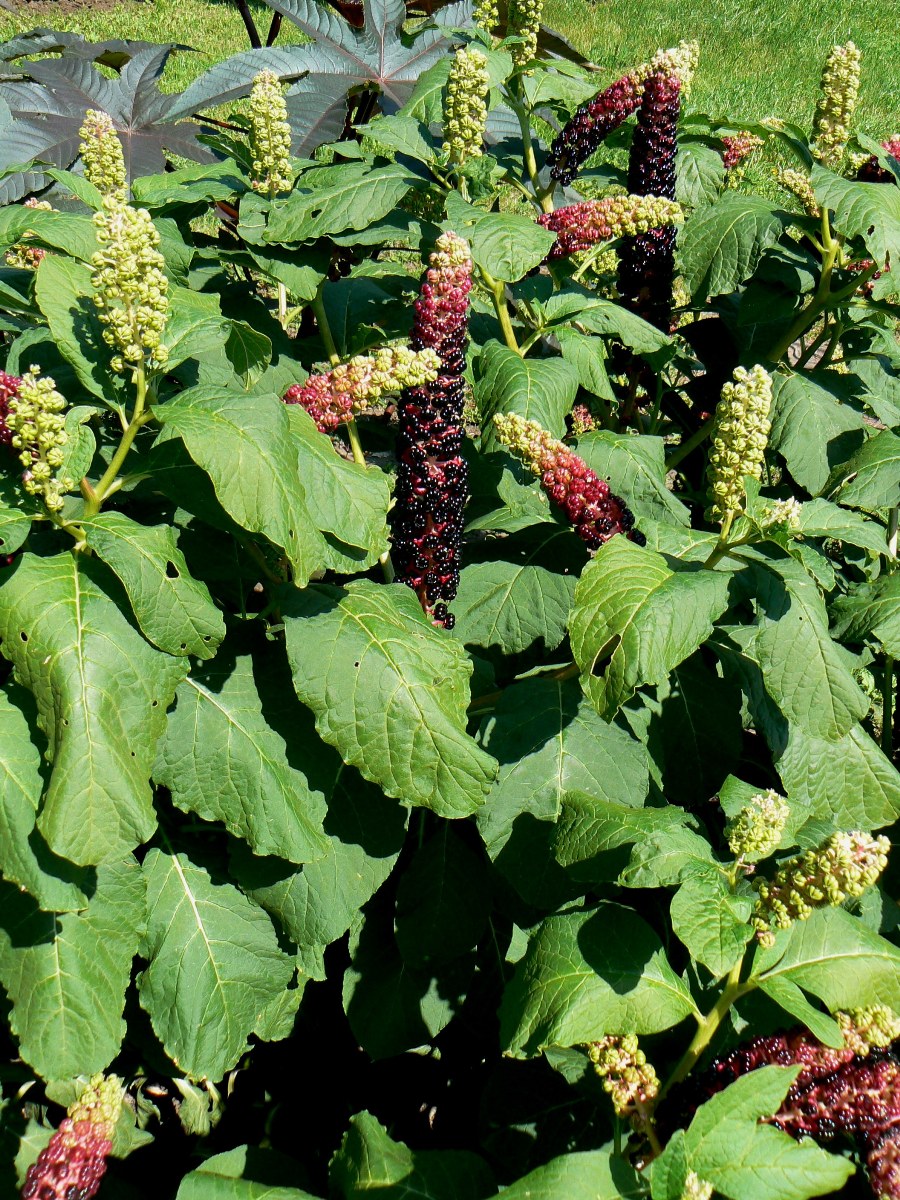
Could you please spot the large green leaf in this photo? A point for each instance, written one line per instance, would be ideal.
(539, 390)
(726, 1146)
(586, 974)
(820, 518)
(711, 921)
(589, 826)
(700, 174)
(585, 1175)
(245, 446)
(719, 246)
(64, 292)
(25, 859)
(635, 618)
(359, 198)
(102, 694)
(870, 608)
(509, 245)
(389, 691)
(214, 965)
(243, 1173)
(66, 975)
(812, 429)
(635, 468)
(221, 759)
(871, 478)
(174, 610)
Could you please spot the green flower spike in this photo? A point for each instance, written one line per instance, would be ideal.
(800, 188)
(837, 103)
(525, 22)
(130, 287)
(101, 154)
(840, 869)
(486, 15)
(871, 1028)
(34, 417)
(739, 439)
(756, 830)
(465, 110)
(628, 1079)
(270, 136)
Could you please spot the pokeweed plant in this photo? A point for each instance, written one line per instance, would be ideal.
(449, 612)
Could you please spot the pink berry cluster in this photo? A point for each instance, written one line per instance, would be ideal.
(872, 172)
(580, 226)
(9, 387)
(595, 512)
(347, 390)
(432, 476)
(647, 261)
(72, 1164)
(736, 147)
(591, 124)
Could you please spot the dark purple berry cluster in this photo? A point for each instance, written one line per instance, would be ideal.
(592, 124)
(71, 1165)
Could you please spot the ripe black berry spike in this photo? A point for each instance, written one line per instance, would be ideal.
(432, 476)
(72, 1164)
(591, 125)
(647, 261)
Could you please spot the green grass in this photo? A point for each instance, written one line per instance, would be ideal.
(759, 57)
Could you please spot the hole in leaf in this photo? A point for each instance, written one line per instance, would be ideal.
(171, 571)
(23, 635)
(604, 654)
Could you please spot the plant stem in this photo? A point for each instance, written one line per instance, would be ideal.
(498, 294)
(696, 439)
(355, 443)
(887, 682)
(138, 418)
(325, 333)
(708, 1026)
(531, 168)
(721, 547)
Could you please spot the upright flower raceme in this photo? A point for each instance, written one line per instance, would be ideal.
(101, 154)
(756, 830)
(580, 226)
(465, 110)
(871, 170)
(595, 512)
(346, 391)
(739, 439)
(270, 135)
(72, 1164)
(432, 477)
(486, 15)
(628, 1079)
(37, 429)
(594, 121)
(525, 22)
(647, 261)
(130, 286)
(800, 187)
(836, 105)
(841, 868)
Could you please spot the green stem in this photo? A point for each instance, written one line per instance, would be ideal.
(683, 449)
(282, 305)
(324, 328)
(708, 1026)
(139, 418)
(355, 443)
(887, 682)
(721, 547)
(498, 295)
(531, 168)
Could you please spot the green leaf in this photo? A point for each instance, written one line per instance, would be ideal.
(245, 446)
(508, 245)
(834, 956)
(635, 618)
(585, 1175)
(789, 997)
(79, 450)
(214, 965)
(539, 390)
(248, 351)
(588, 827)
(66, 975)
(865, 210)
(238, 1174)
(587, 354)
(389, 692)
(64, 292)
(811, 429)
(362, 197)
(522, 598)
(443, 901)
(871, 478)
(720, 246)
(870, 608)
(199, 182)
(804, 672)
(53, 882)
(666, 856)
(820, 518)
(635, 468)
(15, 525)
(586, 974)
(174, 610)
(405, 135)
(606, 318)
(102, 694)
(221, 759)
(369, 1160)
(700, 174)
(711, 921)
(726, 1146)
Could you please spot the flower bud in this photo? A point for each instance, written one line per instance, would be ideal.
(130, 286)
(871, 1028)
(840, 869)
(347, 391)
(756, 830)
(101, 154)
(37, 430)
(696, 1188)
(72, 1164)
(525, 22)
(270, 136)
(739, 439)
(628, 1079)
(837, 103)
(465, 110)
(800, 188)
(580, 226)
(486, 15)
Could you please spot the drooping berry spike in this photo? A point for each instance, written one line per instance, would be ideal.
(346, 391)
(756, 830)
(595, 512)
(628, 1079)
(72, 1164)
(647, 262)
(432, 476)
(34, 418)
(580, 226)
(871, 170)
(9, 387)
(736, 147)
(883, 1166)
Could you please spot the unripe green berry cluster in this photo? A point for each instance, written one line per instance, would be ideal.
(756, 830)
(838, 870)
(801, 189)
(525, 22)
(34, 418)
(101, 154)
(486, 15)
(465, 110)
(739, 439)
(628, 1079)
(837, 103)
(130, 286)
(270, 135)
(870, 1028)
